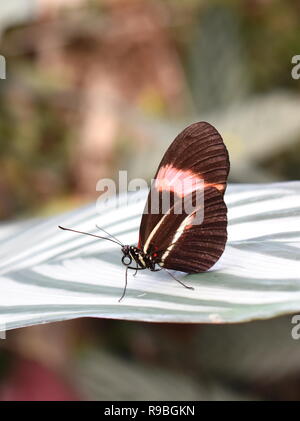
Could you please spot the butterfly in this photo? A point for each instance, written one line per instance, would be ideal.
(184, 223)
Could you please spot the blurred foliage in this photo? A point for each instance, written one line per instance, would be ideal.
(40, 104)
(271, 36)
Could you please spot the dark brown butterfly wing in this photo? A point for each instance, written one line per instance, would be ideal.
(199, 246)
(200, 149)
(197, 153)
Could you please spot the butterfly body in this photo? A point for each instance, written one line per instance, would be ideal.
(142, 260)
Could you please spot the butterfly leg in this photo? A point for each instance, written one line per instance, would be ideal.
(136, 269)
(181, 283)
(125, 287)
(124, 290)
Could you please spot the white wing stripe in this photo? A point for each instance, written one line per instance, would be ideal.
(177, 235)
(151, 235)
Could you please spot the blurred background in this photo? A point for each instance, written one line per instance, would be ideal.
(95, 86)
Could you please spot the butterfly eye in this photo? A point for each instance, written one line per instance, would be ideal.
(126, 260)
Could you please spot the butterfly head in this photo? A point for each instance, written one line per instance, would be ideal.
(134, 254)
(126, 258)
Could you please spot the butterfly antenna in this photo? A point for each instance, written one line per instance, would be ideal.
(125, 287)
(181, 283)
(110, 235)
(87, 233)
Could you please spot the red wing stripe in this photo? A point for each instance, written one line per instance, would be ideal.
(180, 182)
